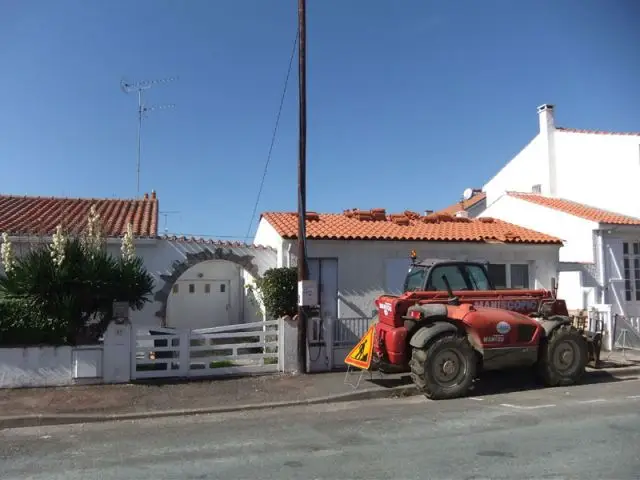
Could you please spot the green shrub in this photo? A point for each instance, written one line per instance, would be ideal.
(24, 323)
(279, 291)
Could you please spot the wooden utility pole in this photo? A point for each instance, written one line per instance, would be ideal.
(302, 180)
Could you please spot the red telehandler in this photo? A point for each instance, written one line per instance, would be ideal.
(451, 323)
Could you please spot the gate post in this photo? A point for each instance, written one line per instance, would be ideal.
(116, 352)
(185, 353)
(288, 345)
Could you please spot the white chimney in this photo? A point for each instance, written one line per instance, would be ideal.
(463, 214)
(547, 123)
(546, 117)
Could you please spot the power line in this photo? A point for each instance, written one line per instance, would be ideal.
(273, 137)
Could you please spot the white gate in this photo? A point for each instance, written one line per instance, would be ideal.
(247, 348)
(330, 340)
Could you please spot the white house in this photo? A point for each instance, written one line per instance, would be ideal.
(358, 255)
(586, 166)
(600, 259)
(198, 283)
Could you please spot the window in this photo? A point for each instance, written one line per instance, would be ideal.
(415, 279)
(477, 277)
(506, 276)
(207, 288)
(222, 287)
(454, 277)
(192, 288)
(519, 276)
(175, 288)
(631, 267)
(498, 275)
(536, 188)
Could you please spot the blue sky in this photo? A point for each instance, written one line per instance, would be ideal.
(409, 102)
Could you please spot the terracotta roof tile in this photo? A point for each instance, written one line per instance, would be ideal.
(577, 209)
(376, 225)
(597, 132)
(464, 205)
(22, 215)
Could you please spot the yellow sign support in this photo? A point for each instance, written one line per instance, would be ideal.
(360, 356)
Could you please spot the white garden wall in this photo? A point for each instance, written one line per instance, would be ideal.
(49, 366)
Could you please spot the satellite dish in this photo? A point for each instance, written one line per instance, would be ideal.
(467, 194)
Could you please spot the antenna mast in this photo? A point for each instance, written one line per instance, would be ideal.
(143, 109)
(166, 213)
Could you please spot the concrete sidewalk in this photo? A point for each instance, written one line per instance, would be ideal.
(81, 404)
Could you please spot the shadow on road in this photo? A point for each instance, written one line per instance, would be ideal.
(506, 381)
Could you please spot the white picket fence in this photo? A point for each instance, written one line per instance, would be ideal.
(247, 348)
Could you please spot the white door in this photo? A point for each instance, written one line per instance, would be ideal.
(199, 304)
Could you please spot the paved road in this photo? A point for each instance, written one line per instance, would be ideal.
(585, 432)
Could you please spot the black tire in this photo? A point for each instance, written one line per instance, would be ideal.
(428, 373)
(563, 357)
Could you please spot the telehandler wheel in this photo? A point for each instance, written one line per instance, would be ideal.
(444, 369)
(563, 357)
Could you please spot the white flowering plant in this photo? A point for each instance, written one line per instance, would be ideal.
(6, 253)
(128, 247)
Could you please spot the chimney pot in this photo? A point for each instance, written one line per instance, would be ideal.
(146, 196)
(153, 194)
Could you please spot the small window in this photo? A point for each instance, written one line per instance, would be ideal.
(625, 248)
(192, 288)
(536, 188)
(498, 275)
(207, 288)
(520, 276)
(222, 287)
(175, 288)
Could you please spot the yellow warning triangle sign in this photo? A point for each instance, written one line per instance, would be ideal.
(360, 356)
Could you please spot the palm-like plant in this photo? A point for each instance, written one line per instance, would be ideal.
(80, 290)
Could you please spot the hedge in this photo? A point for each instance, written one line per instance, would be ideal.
(22, 324)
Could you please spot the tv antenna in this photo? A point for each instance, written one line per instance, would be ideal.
(143, 110)
(166, 213)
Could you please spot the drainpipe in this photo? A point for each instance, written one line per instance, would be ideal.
(602, 266)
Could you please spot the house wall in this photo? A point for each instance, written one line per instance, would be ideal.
(367, 269)
(576, 233)
(521, 173)
(268, 236)
(576, 282)
(160, 256)
(599, 170)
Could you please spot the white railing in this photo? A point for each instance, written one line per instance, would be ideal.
(627, 332)
(229, 350)
(602, 320)
(347, 331)
(330, 340)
